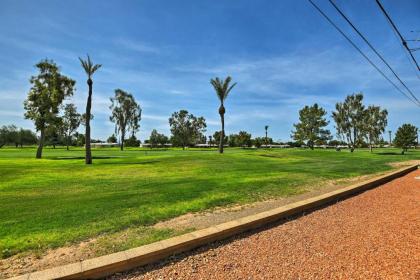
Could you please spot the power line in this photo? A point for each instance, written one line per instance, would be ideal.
(373, 49)
(359, 50)
(398, 32)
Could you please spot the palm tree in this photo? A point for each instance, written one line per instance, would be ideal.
(266, 138)
(89, 68)
(222, 89)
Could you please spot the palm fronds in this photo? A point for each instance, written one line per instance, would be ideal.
(89, 67)
(222, 87)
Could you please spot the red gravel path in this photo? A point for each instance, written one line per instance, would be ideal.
(375, 235)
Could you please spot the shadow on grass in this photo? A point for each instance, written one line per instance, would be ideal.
(129, 163)
(95, 157)
(389, 154)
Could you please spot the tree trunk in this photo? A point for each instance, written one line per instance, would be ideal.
(122, 141)
(222, 133)
(266, 139)
(370, 148)
(88, 158)
(41, 144)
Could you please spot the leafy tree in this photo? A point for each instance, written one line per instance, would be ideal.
(70, 122)
(11, 135)
(405, 137)
(90, 69)
(8, 135)
(232, 140)
(349, 119)
(216, 137)
(258, 142)
(310, 127)
(222, 89)
(80, 139)
(244, 139)
(335, 142)
(157, 139)
(27, 137)
(126, 114)
(132, 141)
(53, 134)
(112, 139)
(49, 89)
(186, 129)
(375, 121)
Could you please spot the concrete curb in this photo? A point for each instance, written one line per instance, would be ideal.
(125, 260)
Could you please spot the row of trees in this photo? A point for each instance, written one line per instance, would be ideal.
(355, 123)
(11, 135)
(49, 89)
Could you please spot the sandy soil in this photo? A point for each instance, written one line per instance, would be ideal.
(374, 235)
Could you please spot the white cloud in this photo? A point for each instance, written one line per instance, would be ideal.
(136, 46)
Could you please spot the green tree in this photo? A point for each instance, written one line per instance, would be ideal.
(186, 128)
(112, 139)
(216, 137)
(90, 69)
(405, 137)
(311, 126)
(232, 140)
(157, 139)
(258, 142)
(244, 139)
(375, 122)
(349, 117)
(132, 141)
(27, 137)
(80, 139)
(126, 114)
(8, 135)
(222, 89)
(49, 89)
(70, 122)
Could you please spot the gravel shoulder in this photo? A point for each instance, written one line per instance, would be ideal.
(373, 235)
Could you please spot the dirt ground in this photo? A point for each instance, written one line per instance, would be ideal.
(374, 235)
(24, 263)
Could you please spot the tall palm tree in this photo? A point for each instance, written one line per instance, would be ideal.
(89, 68)
(266, 138)
(222, 89)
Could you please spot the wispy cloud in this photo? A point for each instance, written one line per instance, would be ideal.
(136, 46)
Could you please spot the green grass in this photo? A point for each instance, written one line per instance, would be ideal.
(57, 200)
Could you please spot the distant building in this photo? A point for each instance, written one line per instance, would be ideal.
(104, 145)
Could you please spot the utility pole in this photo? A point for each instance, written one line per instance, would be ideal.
(390, 140)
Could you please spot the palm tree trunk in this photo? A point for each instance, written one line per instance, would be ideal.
(266, 139)
(222, 133)
(88, 159)
(41, 144)
(122, 140)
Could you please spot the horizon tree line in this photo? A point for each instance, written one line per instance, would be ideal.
(354, 122)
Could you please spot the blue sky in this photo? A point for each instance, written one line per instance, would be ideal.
(282, 54)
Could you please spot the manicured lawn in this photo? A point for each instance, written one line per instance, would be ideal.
(56, 200)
